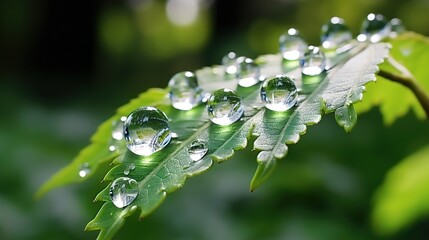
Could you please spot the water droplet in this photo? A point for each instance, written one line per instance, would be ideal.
(229, 63)
(247, 72)
(396, 27)
(292, 46)
(197, 149)
(112, 148)
(146, 131)
(84, 170)
(132, 166)
(126, 171)
(224, 107)
(374, 28)
(335, 33)
(174, 135)
(117, 128)
(123, 191)
(313, 62)
(185, 93)
(279, 93)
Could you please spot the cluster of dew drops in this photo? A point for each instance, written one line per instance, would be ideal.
(146, 130)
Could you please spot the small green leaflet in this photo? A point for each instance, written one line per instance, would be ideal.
(166, 171)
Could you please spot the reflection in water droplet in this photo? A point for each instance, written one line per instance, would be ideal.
(279, 93)
(335, 33)
(123, 191)
(146, 131)
(224, 107)
(396, 27)
(197, 149)
(84, 170)
(247, 72)
(229, 63)
(185, 93)
(292, 46)
(374, 28)
(313, 62)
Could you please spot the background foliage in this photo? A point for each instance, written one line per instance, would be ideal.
(65, 67)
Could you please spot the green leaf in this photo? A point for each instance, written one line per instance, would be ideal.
(404, 195)
(98, 152)
(410, 51)
(166, 171)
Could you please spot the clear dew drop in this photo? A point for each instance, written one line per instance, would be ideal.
(335, 33)
(185, 93)
(396, 27)
(117, 127)
(197, 149)
(229, 63)
(279, 93)
(248, 72)
(291, 45)
(123, 191)
(146, 131)
(313, 62)
(224, 107)
(374, 28)
(84, 170)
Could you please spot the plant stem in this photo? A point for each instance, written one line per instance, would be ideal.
(411, 84)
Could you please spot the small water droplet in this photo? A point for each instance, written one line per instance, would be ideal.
(112, 148)
(247, 72)
(185, 93)
(335, 33)
(146, 131)
(224, 107)
(84, 170)
(132, 166)
(229, 63)
(313, 62)
(174, 135)
(126, 171)
(197, 149)
(396, 27)
(123, 191)
(374, 28)
(291, 44)
(279, 93)
(117, 128)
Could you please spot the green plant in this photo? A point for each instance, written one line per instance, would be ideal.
(336, 91)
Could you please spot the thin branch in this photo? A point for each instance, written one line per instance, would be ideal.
(410, 83)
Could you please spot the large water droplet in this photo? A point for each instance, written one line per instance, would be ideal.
(123, 191)
(84, 170)
(224, 107)
(313, 62)
(374, 28)
(292, 46)
(279, 93)
(335, 33)
(229, 63)
(146, 131)
(396, 27)
(185, 93)
(247, 72)
(197, 149)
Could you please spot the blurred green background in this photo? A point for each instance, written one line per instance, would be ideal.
(65, 66)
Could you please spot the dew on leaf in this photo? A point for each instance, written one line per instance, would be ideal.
(335, 33)
(279, 93)
(396, 27)
(198, 149)
(123, 191)
(84, 170)
(313, 62)
(229, 63)
(146, 131)
(185, 93)
(248, 72)
(374, 28)
(224, 107)
(291, 45)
